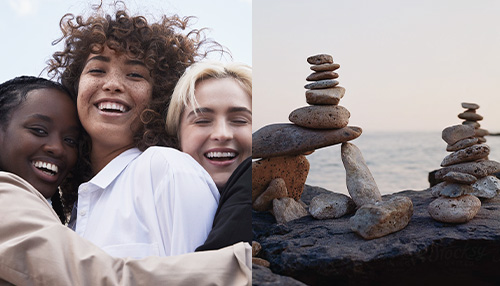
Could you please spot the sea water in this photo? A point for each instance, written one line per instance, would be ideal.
(397, 160)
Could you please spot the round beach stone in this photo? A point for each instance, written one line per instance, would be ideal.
(470, 105)
(292, 169)
(459, 178)
(471, 116)
(475, 124)
(454, 210)
(487, 187)
(468, 154)
(331, 205)
(326, 96)
(287, 209)
(326, 83)
(382, 218)
(325, 67)
(481, 132)
(359, 180)
(290, 139)
(321, 116)
(462, 144)
(275, 190)
(315, 76)
(477, 169)
(455, 133)
(453, 190)
(320, 59)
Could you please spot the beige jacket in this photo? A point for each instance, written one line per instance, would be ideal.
(36, 249)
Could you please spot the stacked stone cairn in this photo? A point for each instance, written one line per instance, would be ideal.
(465, 175)
(470, 117)
(278, 178)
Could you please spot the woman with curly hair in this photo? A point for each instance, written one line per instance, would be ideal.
(143, 198)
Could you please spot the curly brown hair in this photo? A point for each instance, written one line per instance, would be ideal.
(163, 46)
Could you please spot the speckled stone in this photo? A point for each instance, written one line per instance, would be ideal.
(320, 116)
(453, 190)
(287, 209)
(470, 105)
(473, 123)
(320, 59)
(325, 67)
(326, 96)
(471, 116)
(382, 218)
(289, 139)
(326, 83)
(468, 154)
(275, 190)
(487, 187)
(359, 180)
(332, 205)
(455, 133)
(454, 210)
(292, 169)
(477, 169)
(462, 144)
(315, 76)
(459, 178)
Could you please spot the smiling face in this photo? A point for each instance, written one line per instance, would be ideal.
(113, 91)
(40, 140)
(218, 134)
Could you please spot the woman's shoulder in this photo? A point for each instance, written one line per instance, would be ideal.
(159, 156)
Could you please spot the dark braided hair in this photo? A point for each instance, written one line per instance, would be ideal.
(14, 92)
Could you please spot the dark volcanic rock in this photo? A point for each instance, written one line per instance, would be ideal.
(262, 276)
(426, 252)
(289, 139)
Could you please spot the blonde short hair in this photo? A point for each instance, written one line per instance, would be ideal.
(183, 94)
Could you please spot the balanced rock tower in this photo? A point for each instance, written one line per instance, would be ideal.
(471, 117)
(465, 175)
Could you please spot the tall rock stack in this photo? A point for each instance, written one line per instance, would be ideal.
(471, 117)
(281, 148)
(464, 176)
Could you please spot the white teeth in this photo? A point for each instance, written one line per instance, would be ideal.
(47, 166)
(221, 155)
(112, 106)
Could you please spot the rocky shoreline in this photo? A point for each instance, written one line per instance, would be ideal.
(307, 251)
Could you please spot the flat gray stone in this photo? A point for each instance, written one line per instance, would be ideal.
(287, 209)
(477, 169)
(290, 139)
(320, 59)
(487, 187)
(382, 218)
(325, 67)
(326, 83)
(321, 116)
(459, 178)
(455, 133)
(326, 96)
(468, 154)
(470, 105)
(359, 180)
(315, 76)
(471, 116)
(462, 144)
(453, 190)
(473, 123)
(332, 205)
(454, 210)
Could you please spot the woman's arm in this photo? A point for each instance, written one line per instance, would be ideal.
(35, 249)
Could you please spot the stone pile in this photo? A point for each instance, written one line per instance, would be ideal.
(278, 178)
(471, 117)
(465, 175)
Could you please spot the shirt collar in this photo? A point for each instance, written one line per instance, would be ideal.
(109, 173)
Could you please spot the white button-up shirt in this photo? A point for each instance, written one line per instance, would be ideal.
(158, 202)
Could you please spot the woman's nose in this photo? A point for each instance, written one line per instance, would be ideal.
(54, 146)
(222, 131)
(113, 82)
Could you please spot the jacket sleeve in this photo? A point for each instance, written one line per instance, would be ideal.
(36, 249)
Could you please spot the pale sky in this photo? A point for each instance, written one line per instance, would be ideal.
(406, 65)
(28, 27)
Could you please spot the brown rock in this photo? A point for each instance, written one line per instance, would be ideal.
(454, 210)
(382, 218)
(481, 132)
(326, 83)
(470, 105)
(287, 209)
(468, 154)
(455, 133)
(292, 169)
(325, 67)
(462, 144)
(477, 169)
(322, 75)
(471, 116)
(331, 205)
(275, 190)
(289, 139)
(473, 123)
(261, 262)
(256, 248)
(321, 116)
(481, 140)
(326, 96)
(320, 59)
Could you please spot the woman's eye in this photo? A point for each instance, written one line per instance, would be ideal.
(136, 75)
(202, 121)
(38, 131)
(71, 141)
(96, 71)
